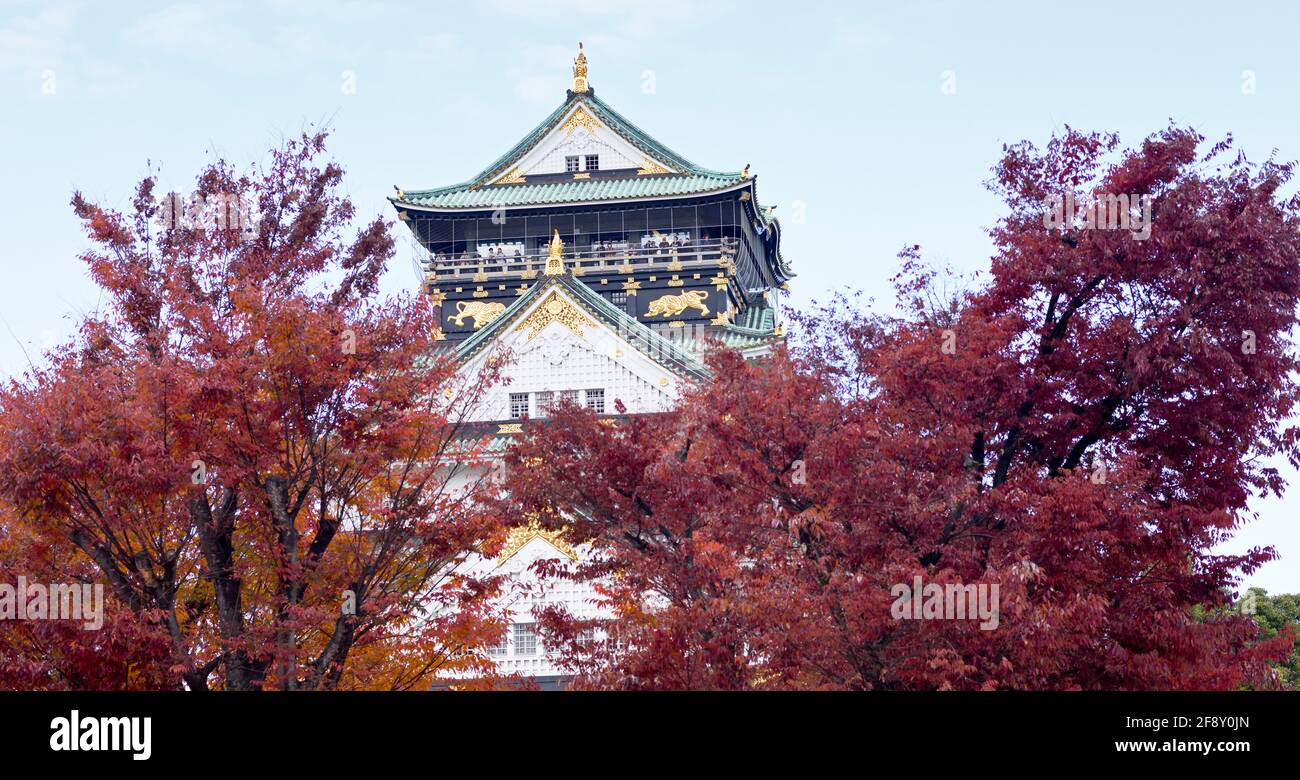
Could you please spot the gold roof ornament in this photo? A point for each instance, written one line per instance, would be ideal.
(580, 117)
(650, 168)
(520, 536)
(555, 309)
(512, 176)
(580, 71)
(555, 256)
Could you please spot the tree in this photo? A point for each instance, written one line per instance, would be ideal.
(1276, 615)
(1079, 431)
(251, 447)
(61, 654)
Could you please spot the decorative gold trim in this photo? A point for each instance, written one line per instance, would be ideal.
(650, 168)
(724, 317)
(555, 308)
(581, 176)
(405, 217)
(481, 276)
(745, 173)
(674, 264)
(523, 288)
(482, 313)
(745, 195)
(510, 428)
(672, 305)
(555, 256)
(631, 286)
(480, 292)
(676, 324)
(436, 297)
(719, 282)
(580, 71)
(675, 282)
(521, 536)
(529, 274)
(513, 176)
(581, 117)
(663, 382)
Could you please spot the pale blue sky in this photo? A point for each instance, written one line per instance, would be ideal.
(838, 107)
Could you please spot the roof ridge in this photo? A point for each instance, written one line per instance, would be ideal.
(620, 124)
(655, 343)
(629, 128)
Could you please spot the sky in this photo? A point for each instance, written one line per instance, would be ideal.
(871, 126)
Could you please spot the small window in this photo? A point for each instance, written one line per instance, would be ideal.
(499, 649)
(593, 162)
(525, 639)
(614, 642)
(619, 299)
(544, 402)
(596, 401)
(518, 405)
(569, 395)
(571, 163)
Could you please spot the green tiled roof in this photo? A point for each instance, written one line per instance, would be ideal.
(756, 319)
(664, 185)
(690, 179)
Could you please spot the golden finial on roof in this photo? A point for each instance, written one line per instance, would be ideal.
(745, 173)
(580, 71)
(555, 256)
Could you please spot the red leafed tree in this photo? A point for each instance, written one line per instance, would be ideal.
(63, 654)
(249, 446)
(1080, 430)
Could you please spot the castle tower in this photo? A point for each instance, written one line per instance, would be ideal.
(604, 264)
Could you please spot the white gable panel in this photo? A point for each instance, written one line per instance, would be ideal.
(581, 133)
(556, 358)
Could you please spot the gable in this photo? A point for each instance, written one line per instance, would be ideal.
(580, 133)
(556, 344)
(532, 543)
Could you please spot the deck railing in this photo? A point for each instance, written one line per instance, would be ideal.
(621, 259)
